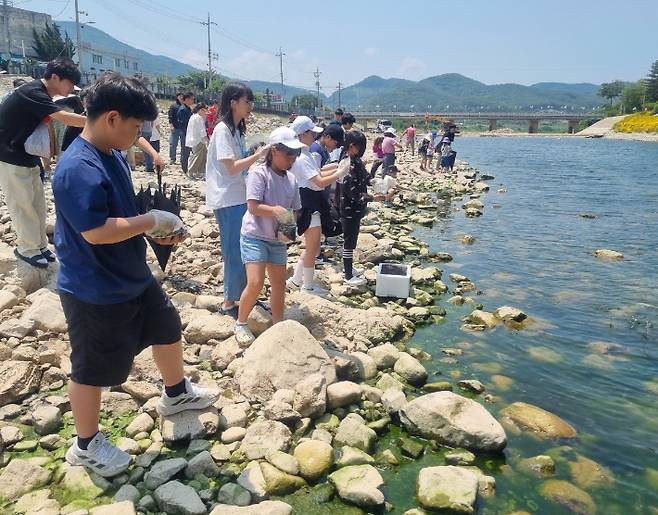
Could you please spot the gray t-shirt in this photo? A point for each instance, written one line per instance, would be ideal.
(272, 189)
(222, 189)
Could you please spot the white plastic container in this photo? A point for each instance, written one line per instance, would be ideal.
(393, 280)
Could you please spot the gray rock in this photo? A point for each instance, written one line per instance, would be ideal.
(234, 434)
(83, 484)
(10, 435)
(310, 398)
(350, 456)
(147, 503)
(359, 484)
(410, 369)
(175, 498)
(20, 477)
(448, 488)
(116, 508)
(234, 495)
(127, 493)
(263, 508)
(189, 425)
(252, 479)
(202, 463)
(342, 394)
(354, 433)
(264, 437)
(220, 452)
(46, 311)
(393, 400)
(385, 355)
(280, 358)
(163, 471)
(18, 379)
(204, 326)
(278, 482)
(284, 461)
(453, 420)
(232, 416)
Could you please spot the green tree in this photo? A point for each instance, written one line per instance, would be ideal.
(198, 81)
(49, 44)
(611, 90)
(652, 83)
(632, 96)
(304, 102)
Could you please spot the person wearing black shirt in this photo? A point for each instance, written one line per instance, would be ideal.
(173, 125)
(182, 118)
(23, 111)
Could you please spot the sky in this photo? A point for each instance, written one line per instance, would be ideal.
(493, 41)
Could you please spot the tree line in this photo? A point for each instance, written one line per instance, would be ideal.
(630, 97)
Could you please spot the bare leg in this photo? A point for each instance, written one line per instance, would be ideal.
(86, 407)
(277, 275)
(312, 239)
(169, 359)
(255, 280)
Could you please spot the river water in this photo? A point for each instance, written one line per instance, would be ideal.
(533, 250)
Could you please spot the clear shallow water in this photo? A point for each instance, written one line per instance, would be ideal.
(534, 251)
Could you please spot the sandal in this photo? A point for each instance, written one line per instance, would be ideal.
(49, 255)
(231, 312)
(38, 261)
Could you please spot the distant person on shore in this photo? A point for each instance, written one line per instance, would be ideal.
(385, 188)
(389, 146)
(423, 151)
(409, 135)
(448, 155)
(196, 140)
(338, 117)
(113, 306)
(20, 115)
(183, 118)
(315, 218)
(267, 227)
(378, 152)
(154, 140)
(175, 135)
(213, 117)
(226, 192)
(352, 202)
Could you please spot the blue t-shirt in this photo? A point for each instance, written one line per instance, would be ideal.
(317, 148)
(89, 187)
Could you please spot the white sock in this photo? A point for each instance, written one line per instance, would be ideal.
(299, 270)
(309, 273)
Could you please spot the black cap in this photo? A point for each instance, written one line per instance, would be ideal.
(338, 111)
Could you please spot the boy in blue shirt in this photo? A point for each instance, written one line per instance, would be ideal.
(113, 306)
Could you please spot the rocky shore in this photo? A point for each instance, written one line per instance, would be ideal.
(304, 410)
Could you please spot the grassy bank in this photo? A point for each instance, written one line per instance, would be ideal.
(640, 122)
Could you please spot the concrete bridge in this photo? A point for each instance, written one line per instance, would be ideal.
(533, 118)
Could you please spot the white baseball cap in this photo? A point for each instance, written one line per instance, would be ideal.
(302, 124)
(286, 137)
(390, 130)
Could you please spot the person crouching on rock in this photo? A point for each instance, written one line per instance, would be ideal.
(315, 218)
(113, 306)
(353, 201)
(268, 224)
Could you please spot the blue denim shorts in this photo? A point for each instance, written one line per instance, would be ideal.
(254, 250)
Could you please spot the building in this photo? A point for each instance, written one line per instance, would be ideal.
(16, 30)
(95, 59)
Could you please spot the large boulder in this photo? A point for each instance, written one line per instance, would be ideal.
(46, 311)
(179, 499)
(326, 319)
(264, 437)
(455, 421)
(359, 484)
(280, 358)
(521, 416)
(20, 477)
(18, 379)
(204, 326)
(447, 489)
(188, 425)
(314, 458)
(373, 250)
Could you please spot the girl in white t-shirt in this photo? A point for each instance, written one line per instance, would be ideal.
(226, 193)
(316, 212)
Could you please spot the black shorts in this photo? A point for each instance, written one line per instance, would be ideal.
(106, 338)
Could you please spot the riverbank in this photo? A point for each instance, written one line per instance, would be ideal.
(326, 405)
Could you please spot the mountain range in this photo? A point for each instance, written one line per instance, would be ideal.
(449, 91)
(455, 92)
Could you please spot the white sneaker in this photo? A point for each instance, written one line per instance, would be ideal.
(101, 457)
(314, 289)
(243, 334)
(195, 397)
(292, 285)
(357, 270)
(356, 281)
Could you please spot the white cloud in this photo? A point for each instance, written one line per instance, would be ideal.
(370, 51)
(195, 58)
(411, 68)
(251, 64)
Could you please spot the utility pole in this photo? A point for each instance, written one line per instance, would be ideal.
(208, 24)
(340, 86)
(77, 35)
(317, 74)
(283, 87)
(7, 34)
